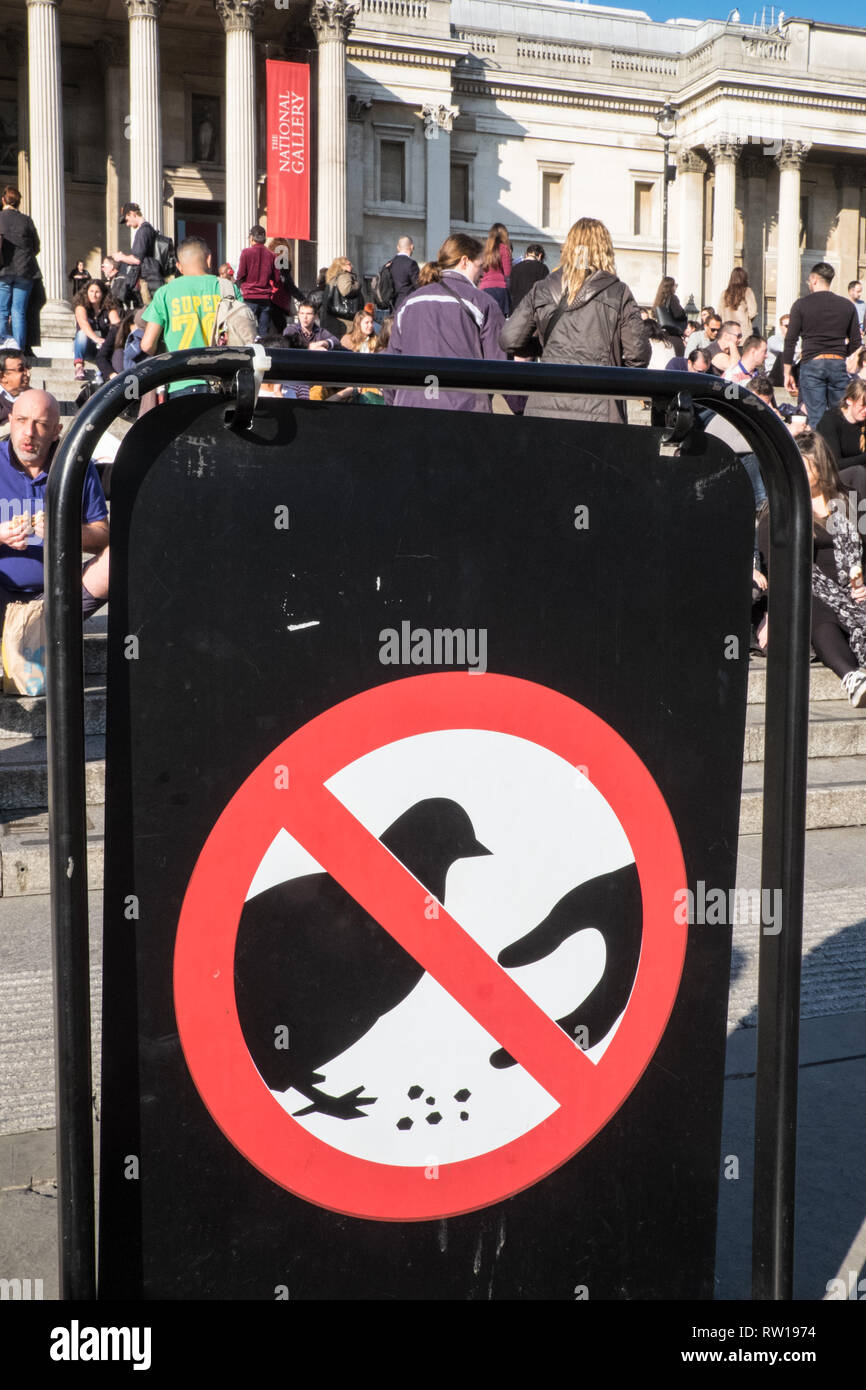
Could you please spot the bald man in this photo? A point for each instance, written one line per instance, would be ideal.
(25, 460)
(404, 269)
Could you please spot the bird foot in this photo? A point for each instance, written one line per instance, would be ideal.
(345, 1107)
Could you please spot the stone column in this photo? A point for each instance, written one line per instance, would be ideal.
(690, 266)
(725, 152)
(849, 179)
(145, 108)
(111, 59)
(357, 108)
(790, 160)
(331, 20)
(47, 206)
(16, 49)
(755, 224)
(438, 120)
(238, 19)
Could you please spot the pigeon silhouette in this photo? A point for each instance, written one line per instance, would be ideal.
(310, 960)
(612, 904)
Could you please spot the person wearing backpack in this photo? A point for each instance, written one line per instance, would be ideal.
(398, 277)
(144, 274)
(184, 311)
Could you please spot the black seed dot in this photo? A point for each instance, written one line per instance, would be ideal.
(464, 1114)
(405, 1123)
(431, 1100)
(415, 1092)
(462, 1095)
(434, 1117)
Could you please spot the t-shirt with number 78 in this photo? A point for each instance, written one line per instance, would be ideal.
(185, 309)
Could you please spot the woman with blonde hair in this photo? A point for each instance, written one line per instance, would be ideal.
(362, 337)
(738, 303)
(582, 314)
(342, 297)
(496, 266)
(448, 316)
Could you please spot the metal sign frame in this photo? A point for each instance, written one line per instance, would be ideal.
(784, 792)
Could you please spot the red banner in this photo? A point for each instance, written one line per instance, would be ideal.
(289, 150)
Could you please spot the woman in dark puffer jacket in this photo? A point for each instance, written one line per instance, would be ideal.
(582, 314)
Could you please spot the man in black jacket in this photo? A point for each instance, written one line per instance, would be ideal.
(143, 275)
(19, 270)
(527, 273)
(830, 332)
(404, 271)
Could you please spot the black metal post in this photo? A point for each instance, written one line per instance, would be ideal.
(665, 211)
(784, 767)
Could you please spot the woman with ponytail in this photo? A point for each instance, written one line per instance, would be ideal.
(582, 314)
(448, 316)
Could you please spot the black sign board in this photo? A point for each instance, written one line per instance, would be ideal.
(422, 726)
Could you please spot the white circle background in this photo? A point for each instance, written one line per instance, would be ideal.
(548, 830)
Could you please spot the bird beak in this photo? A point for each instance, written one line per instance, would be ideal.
(477, 852)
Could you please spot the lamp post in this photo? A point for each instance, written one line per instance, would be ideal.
(666, 127)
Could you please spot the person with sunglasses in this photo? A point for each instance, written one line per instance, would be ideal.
(711, 330)
(725, 351)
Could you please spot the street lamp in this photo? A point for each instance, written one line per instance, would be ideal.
(666, 128)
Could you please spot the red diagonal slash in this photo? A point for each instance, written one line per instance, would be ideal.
(388, 892)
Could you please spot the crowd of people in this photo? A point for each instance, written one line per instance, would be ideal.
(477, 300)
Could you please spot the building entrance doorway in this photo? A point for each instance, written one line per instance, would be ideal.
(206, 220)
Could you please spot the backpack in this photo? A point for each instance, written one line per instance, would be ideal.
(235, 323)
(384, 289)
(164, 255)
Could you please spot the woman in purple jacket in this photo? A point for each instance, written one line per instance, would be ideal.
(448, 316)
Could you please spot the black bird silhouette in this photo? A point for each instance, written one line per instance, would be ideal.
(309, 959)
(612, 904)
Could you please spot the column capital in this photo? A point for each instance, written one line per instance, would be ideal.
(238, 14)
(725, 149)
(54, 4)
(357, 106)
(331, 20)
(144, 9)
(792, 154)
(690, 162)
(437, 116)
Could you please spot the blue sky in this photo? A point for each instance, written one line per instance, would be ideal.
(831, 11)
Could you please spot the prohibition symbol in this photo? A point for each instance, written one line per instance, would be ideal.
(488, 993)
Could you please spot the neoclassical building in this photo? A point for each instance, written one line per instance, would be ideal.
(429, 115)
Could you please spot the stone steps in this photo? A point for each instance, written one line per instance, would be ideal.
(25, 863)
(835, 796)
(836, 770)
(823, 684)
(835, 731)
(836, 793)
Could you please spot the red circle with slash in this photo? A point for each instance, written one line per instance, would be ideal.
(588, 1093)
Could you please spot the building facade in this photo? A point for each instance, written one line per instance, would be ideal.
(430, 115)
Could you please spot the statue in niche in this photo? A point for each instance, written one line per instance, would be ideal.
(205, 129)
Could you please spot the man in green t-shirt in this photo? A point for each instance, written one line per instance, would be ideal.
(184, 309)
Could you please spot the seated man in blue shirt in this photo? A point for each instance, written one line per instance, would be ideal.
(25, 458)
